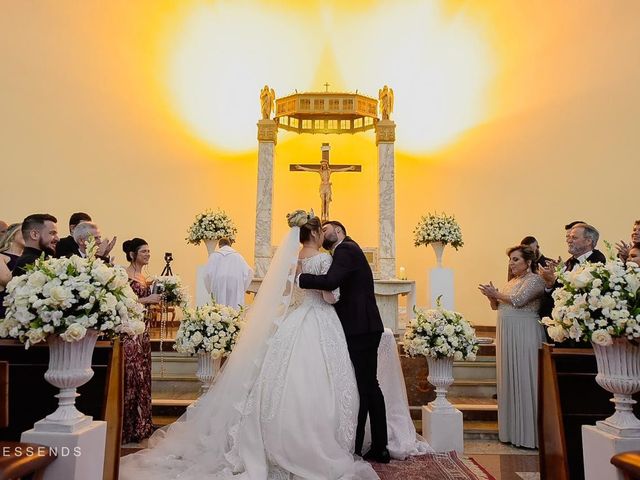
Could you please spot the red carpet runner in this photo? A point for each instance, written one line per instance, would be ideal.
(435, 466)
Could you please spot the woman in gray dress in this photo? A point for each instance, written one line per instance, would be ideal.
(519, 334)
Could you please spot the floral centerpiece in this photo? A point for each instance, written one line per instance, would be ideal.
(209, 328)
(69, 302)
(600, 303)
(68, 296)
(441, 228)
(172, 289)
(596, 302)
(210, 331)
(442, 336)
(440, 333)
(211, 225)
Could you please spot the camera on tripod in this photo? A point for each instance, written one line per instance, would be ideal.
(168, 258)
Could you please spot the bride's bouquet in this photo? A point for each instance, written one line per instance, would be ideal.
(438, 228)
(209, 328)
(597, 302)
(172, 289)
(67, 296)
(211, 225)
(440, 333)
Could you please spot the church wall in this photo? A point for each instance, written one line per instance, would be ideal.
(86, 124)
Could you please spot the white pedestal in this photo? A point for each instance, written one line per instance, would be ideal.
(80, 455)
(443, 430)
(387, 293)
(202, 296)
(597, 449)
(441, 283)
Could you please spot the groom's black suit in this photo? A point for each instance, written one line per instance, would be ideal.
(360, 318)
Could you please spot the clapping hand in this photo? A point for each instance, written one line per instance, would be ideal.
(623, 250)
(488, 290)
(548, 272)
(106, 246)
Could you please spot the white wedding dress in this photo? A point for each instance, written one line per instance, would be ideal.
(285, 405)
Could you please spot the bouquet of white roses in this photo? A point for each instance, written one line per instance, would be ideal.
(440, 333)
(67, 296)
(211, 225)
(438, 228)
(209, 328)
(597, 302)
(172, 289)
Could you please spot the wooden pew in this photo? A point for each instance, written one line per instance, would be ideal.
(31, 397)
(629, 463)
(18, 460)
(568, 397)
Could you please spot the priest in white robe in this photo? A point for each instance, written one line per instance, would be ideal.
(227, 275)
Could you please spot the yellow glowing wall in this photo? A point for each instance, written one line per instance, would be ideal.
(90, 119)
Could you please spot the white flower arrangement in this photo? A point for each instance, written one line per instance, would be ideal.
(440, 333)
(209, 328)
(172, 289)
(596, 302)
(67, 296)
(438, 228)
(211, 225)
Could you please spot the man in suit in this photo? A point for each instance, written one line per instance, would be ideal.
(360, 318)
(67, 246)
(40, 234)
(582, 239)
(81, 234)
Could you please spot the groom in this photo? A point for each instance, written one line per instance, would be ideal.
(360, 318)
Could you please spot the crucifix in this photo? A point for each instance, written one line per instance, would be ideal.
(325, 170)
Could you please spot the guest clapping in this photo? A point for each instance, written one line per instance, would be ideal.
(518, 337)
(86, 230)
(624, 247)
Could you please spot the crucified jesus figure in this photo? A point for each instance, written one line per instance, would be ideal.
(325, 172)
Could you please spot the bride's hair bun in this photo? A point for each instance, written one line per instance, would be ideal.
(298, 218)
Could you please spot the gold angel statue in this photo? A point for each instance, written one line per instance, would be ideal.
(385, 95)
(267, 100)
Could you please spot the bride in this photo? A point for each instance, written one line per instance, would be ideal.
(285, 404)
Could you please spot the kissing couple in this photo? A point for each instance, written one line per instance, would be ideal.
(292, 399)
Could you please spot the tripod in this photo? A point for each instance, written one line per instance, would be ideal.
(168, 258)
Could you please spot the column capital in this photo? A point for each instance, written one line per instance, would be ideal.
(268, 131)
(385, 131)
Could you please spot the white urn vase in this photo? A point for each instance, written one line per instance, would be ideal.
(208, 367)
(69, 368)
(619, 373)
(441, 377)
(438, 248)
(211, 246)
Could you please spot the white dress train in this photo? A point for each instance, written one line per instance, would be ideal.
(299, 418)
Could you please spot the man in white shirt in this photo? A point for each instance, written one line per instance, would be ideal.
(227, 275)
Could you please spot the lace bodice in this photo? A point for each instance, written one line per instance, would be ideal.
(525, 293)
(316, 265)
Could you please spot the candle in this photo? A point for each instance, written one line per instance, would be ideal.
(403, 275)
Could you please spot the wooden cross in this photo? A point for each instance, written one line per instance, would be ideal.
(326, 87)
(325, 170)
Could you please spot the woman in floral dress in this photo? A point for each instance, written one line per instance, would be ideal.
(137, 423)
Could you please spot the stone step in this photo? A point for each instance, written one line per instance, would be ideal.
(476, 408)
(481, 370)
(473, 388)
(169, 409)
(480, 430)
(174, 363)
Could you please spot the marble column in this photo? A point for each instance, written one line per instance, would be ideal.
(267, 139)
(385, 139)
